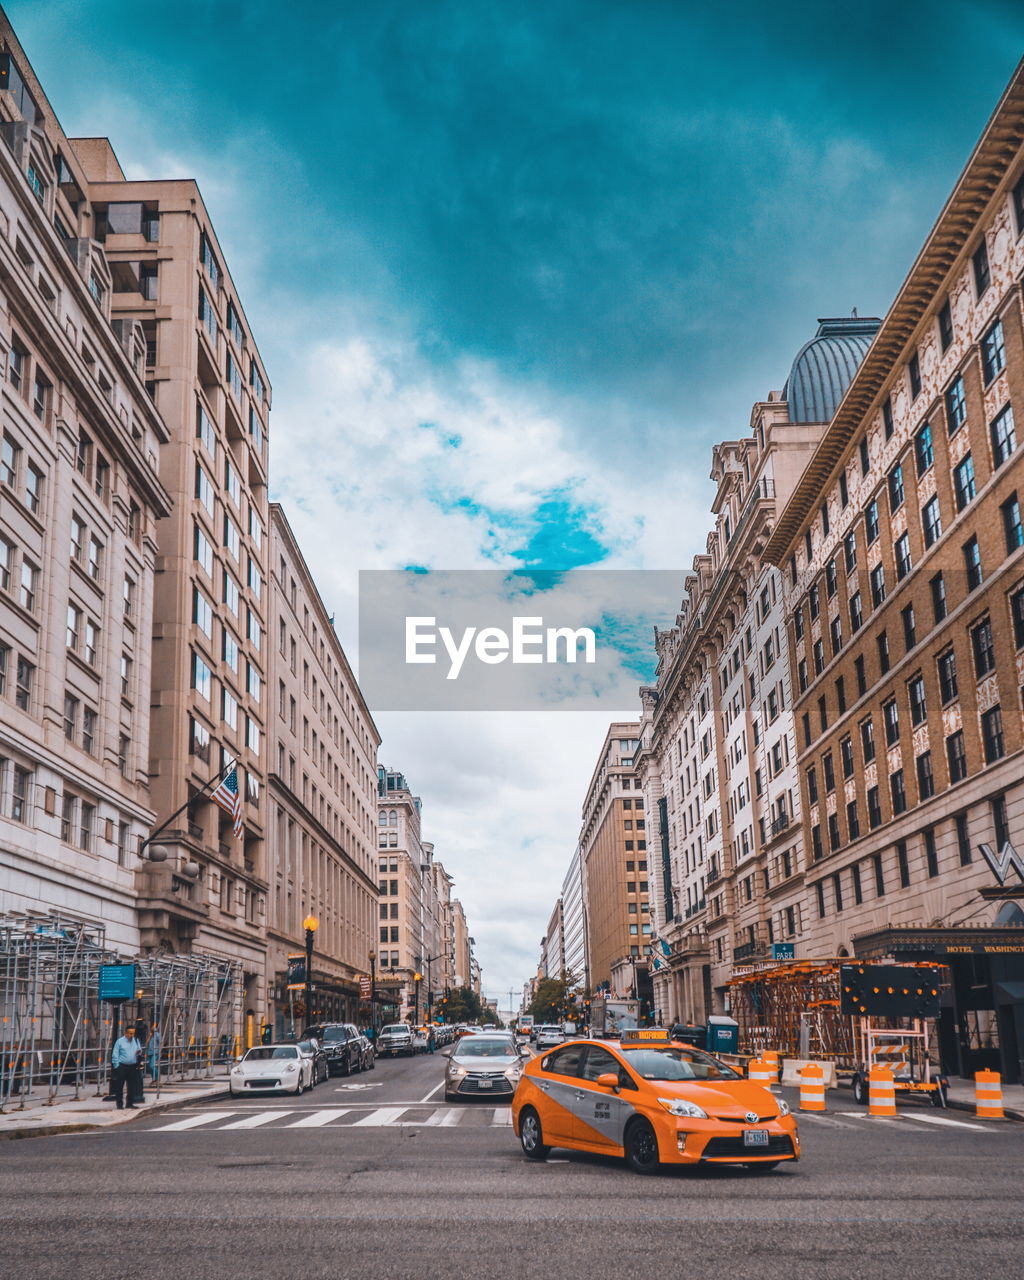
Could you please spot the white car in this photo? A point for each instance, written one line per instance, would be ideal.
(271, 1068)
(549, 1036)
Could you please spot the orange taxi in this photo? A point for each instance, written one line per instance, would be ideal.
(653, 1101)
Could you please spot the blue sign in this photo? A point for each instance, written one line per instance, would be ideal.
(783, 950)
(117, 982)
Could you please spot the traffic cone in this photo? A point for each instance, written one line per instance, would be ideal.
(881, 1092)
(812, 1088)
(988, 1095)
(760, 1072)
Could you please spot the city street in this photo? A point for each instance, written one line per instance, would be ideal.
(376, 1175)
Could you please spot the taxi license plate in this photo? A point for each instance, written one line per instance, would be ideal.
(484, 1084)
(755, 1137)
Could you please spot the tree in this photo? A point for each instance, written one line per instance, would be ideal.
(555, 999)
(462, 1004)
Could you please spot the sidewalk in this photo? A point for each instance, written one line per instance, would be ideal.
(65, 1115)
(961, 1097)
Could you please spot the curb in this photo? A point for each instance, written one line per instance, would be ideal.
(1010, 1113)
(154, 1108)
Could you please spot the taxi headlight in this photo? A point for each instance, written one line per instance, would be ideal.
(783, 1107)
(680, 1107)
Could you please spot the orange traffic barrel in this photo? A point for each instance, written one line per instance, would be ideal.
(988, 1095)
(812, 1088)
(881, 1092)
(760, 1072)
(771, 1059)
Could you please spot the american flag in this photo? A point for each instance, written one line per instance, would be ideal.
(225, 793)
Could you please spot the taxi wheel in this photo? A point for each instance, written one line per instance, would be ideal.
(641, 1147)
(530, 1136)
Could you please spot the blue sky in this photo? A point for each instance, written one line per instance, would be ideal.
(515, 268)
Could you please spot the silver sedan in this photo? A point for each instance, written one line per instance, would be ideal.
(483, 1066)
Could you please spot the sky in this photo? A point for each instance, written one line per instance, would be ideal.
(513, 270)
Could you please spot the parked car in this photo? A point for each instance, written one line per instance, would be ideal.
(272, 1068)
(549, 1036)
(368, 1057)
(340, 1041)
(395, 1039)
(312, 1048)
(483, 1065)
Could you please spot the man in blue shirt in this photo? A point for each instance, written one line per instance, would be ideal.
(125, 1061)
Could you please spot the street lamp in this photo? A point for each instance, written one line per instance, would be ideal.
(310, 924)
(373, 991)
(417, 977)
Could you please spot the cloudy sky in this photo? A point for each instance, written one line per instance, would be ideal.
(513, 269)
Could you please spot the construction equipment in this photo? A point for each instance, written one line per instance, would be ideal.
(792, 1008)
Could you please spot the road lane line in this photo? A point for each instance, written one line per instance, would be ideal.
(945, 1121)
(440, 1085)
(319, 1118)
(502, 1116)
(381, 1116)
(254, 1122)
(207, 1117)
(816, 1118)
(446, 1118)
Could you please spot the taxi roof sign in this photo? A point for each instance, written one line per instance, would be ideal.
(633, 1035)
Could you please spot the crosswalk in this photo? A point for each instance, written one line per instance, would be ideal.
(417, 1116)
(843, 1119)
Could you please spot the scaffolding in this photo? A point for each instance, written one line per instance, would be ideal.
(792, 1008)
(57, 1035)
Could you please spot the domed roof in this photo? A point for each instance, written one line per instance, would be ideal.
(824, 367)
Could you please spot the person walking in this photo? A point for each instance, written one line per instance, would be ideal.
(153, 1056)
(431, 1040)
(125, 1062)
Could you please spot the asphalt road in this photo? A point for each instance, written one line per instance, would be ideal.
(373, 1177)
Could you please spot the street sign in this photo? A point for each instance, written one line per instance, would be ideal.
(296, 972)
(117, 981)
(783, 950)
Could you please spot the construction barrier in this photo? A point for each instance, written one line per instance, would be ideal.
(771, 1059)
(988, 1095)
(881, 1092)
(812, 1088)
(761, 1072)
(792, 1067)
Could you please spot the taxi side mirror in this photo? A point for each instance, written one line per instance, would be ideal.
(608, 1080)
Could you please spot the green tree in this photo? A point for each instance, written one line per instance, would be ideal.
(555, 999)
(462, 1004)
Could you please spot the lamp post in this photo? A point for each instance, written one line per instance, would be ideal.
(373, 992)
(417, 978)
(310, 924)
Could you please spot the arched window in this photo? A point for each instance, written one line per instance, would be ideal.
(393, 818)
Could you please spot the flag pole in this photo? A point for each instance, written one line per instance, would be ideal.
(188, 803)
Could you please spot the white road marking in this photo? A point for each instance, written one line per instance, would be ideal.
(254, 1122)
(446, 1118)
(502, 1116)
(319, 1118)
(818, 1117)
(945, 1121)
(433, 1091)
(379, 1085)
(382, 1116)
(207, 1117)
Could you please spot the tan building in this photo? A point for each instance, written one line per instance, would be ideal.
(80, 494)
(613, 845)
(400, 858)
(460, 946)
(204, 372)
(910, 734)
(322, 795)
(718, 757)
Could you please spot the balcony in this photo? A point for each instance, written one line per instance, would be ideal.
(750, 951)
(714, 875)
(780, 824)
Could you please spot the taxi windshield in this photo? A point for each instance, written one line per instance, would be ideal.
(677, 1064)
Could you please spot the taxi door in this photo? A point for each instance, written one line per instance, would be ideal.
(600, 1115)
(558, 1082)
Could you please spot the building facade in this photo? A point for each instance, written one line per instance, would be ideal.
(613, 856)
(574, 928)
(322, 796)
(905, 533)
(80, 498)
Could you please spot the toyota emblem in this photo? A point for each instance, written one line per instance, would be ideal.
(751, 1117)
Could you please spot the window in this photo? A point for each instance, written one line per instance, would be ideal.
(33, 489)
(1018, 205)
(819, 657)
(947, 676)
(876, 579)
(956, 757)
(834, 838)
(17, 366)
(1004, 436)
(850, 551)
(199, 740)
(801, 666)
(835, 628)
(204, 489)
(992, 735)
(42, 393)
(844, 492)
(972, 564)
(982, 275)
(231, 483)
(871, 521)
(1017, 613)
(902, 863)
(20, 792)
(202, 612)
(865, 460)
(798, 624)
(126, 676)
(837, 889)
(938, 590)
(231, 593)
(816, 846)
(70, 717)
(828, 770)
(963, 482)
(876, 866)
(9, 462)
(202, 680)
(999, 820)
(90, 649)
(931, 520)
(874, 808)
(956, 406)
(896, 492)
(983, 646)
(23, 684)
(254, 579)
(856, 612)
(203, 551)
(830, 578)
(862, 679)
(846, 754)
(887, 420)
(963, 840)
(1012, 523)
(903, 561)
(822, 714)
(229, 649)
(918, 703)
(946, 326)
(812, 786)
(891, 720)
(234, 376)
(993, 352)
(883, 652)
(841, 694)
(234, 324)
(229, 709)
(909, 627)
(29, 581)
(852, 820)
(925, 779)
(814, 600)
(898, 791)
(914, 375)
(94, 567)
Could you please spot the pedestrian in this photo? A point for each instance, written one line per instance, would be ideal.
(125, 1060)
(153, 1056)
(430, 1040)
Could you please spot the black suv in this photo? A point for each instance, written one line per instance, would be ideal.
(342, 1043)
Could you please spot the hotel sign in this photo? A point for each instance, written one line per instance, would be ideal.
(1002, 863)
